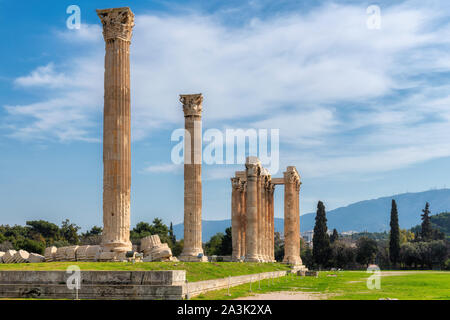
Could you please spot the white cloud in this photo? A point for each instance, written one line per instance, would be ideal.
(321, 77)
(163, 168)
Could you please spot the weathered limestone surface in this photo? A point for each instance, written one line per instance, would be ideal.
(71, 253)
(236, 223)
(8, 257)
(35, 258)
(50, 254)
(192, 108)
(291, 217)
(81, 253)
(117, 30)
(154, 250)
(21, 256)
(1, 256)
(253, 168)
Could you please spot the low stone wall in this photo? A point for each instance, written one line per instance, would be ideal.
(124, 285)
(196, 288)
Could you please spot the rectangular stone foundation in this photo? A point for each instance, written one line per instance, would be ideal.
(107, 285)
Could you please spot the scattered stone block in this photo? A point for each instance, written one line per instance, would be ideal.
(36, 258)
(154, 250)
(50, 254)
(8, 257)
(312, 273)
(71, 253)
(93, 253)
(1, 256)
(81, 253)
(21, 256)
(61, 254)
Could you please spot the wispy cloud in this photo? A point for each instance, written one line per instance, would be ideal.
(344, 97)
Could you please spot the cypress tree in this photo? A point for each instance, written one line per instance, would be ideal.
(171, 235)
(334, 236)
(321, 240)
(427, 231)
(394, 237)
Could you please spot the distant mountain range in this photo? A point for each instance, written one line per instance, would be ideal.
(369, 215)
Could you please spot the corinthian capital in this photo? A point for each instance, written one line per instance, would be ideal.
(117, 23)
(291, 176)
(236, 183)
(192, 104)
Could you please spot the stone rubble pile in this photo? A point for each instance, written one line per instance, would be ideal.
(21, 256)
(154, 250)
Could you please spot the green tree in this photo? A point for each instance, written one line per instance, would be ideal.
(321, 240)
(214, 245)
(227, 246)
(427, 231)
(69, 232)
(334, 236)
(343, 254)
(366, 250)
(171, 234)
(394, 236)
(278, 247)
(48, 230)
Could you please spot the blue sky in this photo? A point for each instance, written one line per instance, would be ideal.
(362, 113)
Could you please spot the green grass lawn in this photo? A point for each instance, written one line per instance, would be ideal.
(195, 271)
(350, 285)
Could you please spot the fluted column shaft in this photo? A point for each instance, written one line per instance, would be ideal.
(291, 217)
(117, 29)
(192, 108)
(236, 209)
(243, 218)
(251, 241)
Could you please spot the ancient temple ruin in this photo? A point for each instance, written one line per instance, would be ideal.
(252, 214)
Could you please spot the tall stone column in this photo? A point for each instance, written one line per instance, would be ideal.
(192, 108)
(267, 225)
(262, 216)
(253, 168)
(291, 217)
(236, 219)
(272, 222)
(117, 29)
(243, 215)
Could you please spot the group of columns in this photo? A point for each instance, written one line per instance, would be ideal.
(252, 214)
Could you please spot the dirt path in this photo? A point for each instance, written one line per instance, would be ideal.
(286, 295)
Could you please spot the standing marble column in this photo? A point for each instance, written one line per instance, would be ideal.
(192, 108)
(291, 217)
(236, 219)
(262, 216)
(253, 168)
(272, 222)
(243, 218)
(117, 29)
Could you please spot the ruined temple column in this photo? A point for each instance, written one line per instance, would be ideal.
(291, 217)
(262, 216)
(243, 197)
(272, 223)
(236, 219)
(117, 29)
(267, 225)
(253, 168)
(192, 108)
